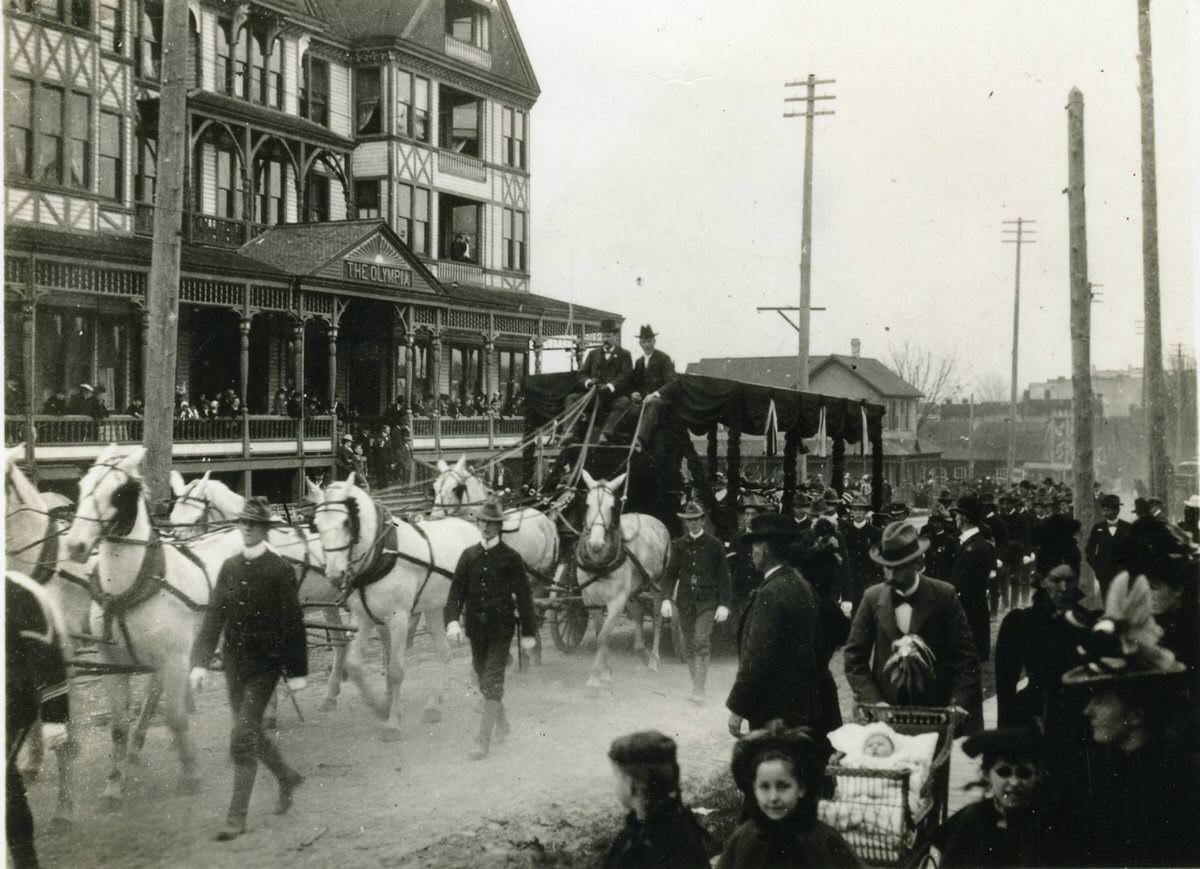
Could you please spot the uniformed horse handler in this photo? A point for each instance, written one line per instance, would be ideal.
(255, 604)
(697, 588)
(488, 577)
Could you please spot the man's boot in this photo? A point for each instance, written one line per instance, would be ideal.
(502, 729)
(699, 678)
(484, 740)
(288, 778)
(243, 787)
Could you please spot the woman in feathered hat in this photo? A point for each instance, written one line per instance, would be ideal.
(1141, 799)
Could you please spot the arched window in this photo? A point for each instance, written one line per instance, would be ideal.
(275, 75)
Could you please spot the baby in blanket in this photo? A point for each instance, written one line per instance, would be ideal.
(877, 746)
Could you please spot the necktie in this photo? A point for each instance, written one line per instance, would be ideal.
(898, 599)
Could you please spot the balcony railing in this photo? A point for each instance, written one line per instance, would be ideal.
(462, 165)
(448, 433)
(456, 48)
(201, 228)
(451, 272)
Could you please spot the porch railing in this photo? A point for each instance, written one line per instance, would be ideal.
(67, 431)
(201, 228)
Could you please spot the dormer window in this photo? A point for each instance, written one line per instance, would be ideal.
(469, 22)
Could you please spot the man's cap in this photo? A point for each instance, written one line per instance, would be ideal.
(769, 526)
(348, 437)
(490, 512)
(256, 511)
(87, 386)
(971, 507)
(691, 510)
(646, 333)
(860, 503)
(945, 497)
(899, 544)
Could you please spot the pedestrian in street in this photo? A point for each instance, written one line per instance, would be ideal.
(943, 538)
(1105, 542)
(1139, 804)
(659, 830)
(910, 643)
(35, 687)
(781, 774)
(974, 567)
(698, 592)
(779, 639)
(489, 584)
(859, 536)
(1008, 827)
(254, 604)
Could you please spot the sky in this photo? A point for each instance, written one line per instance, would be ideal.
(666, 183)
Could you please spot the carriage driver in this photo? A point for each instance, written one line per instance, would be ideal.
(698, 590)
(255, 603)
(488, 577)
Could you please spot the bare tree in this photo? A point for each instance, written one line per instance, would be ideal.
(992, 387)
(935, 377)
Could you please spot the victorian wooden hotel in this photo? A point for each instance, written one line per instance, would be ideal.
(356, 225)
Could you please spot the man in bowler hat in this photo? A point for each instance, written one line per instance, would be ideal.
(254, 604)
(651, 372)
(1106, 541)
(603, 369)
(973, 569)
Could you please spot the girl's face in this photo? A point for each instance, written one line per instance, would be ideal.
(776, 788)
(1060, 584)
(1110, 717)
(1013, 783)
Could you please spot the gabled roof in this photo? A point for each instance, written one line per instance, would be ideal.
(310, 249)
(781, 371)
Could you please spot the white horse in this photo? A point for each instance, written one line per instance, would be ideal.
(458, 491)
(205, 504)
(618, 557)
(357, 536)
(152, 595)
(33, 545)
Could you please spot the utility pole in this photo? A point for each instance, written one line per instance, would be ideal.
(1019, 236)
(810, 112)
(1081, 315)
(162, 292)
(1152, 363)
(971, 439)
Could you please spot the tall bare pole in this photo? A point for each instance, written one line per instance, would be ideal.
(1019, 236)
(1081, 315)
(162, 292)
(1152, 363)
(810, 112)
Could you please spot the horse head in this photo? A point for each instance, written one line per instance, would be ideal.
(450, 487)
(27, 517)
(602, 521)
(197, 505)
(110, 496)
(343, 521)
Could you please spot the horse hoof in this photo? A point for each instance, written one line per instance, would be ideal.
(431, 715)
(390, 734)
(328, 704)
(59, 824)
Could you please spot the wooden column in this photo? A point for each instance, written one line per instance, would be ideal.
(333, 336)
(537, 355)
(409, 350)
(243, 387)
(28, 333)
(435, 370)
(298, 376)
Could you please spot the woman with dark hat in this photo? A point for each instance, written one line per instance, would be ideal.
(1038, 643)
(659, 830)
(1142, 796)
(781, 773)
(1009, 826)
(779, 639)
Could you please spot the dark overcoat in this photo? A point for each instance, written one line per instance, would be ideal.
(1104, 549)
(861, 571)
(645, 378)
(596, 367)
(972, 568)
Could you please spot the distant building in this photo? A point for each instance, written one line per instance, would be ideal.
(1121, 391)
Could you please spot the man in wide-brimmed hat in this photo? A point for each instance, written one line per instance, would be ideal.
(254, 604)
(697, 591)
(489, 584)
(1140, 799)
(604, 369)
(909, 604)
(1105, 541)
(974, 567)
(779, 638)
(651, 372)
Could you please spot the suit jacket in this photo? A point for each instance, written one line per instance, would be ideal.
(1103, 550)
(938, 619)
(645, 378)
(779, 654)
(611, 370)
(972, 569)
(482, 593)
(255, 604)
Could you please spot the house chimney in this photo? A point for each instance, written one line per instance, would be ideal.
(855, 347)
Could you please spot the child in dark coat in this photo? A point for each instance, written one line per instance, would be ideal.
(659, 830)
(782, 774)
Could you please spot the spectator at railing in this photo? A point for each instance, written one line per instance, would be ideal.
(137, 408)
(495, 406)
(279, 404)
(85, 402)
(186, 411)
(449, 407)
(14, 396)
(56, 404)
(418, 405)
(293, 404)
(180, 397)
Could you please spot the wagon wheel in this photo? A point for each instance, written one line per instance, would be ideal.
(568, 624)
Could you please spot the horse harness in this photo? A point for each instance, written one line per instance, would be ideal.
(43, 569)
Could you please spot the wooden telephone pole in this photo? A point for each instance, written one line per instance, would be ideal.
(810, 112)
(1019, 236)
(1152, 363)
(1081, 315)
(162, 292)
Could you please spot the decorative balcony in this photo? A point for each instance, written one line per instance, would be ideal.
(460, 50)
(200, 228)
(451, 272)
(462, 165)
(447, 434)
